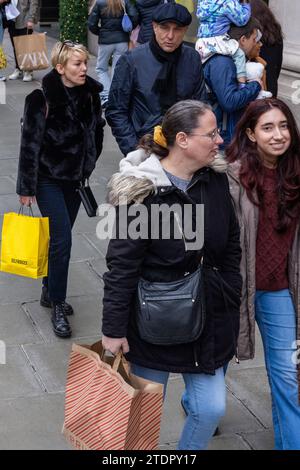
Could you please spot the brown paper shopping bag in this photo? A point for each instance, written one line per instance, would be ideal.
(107, 407)
(31, 51)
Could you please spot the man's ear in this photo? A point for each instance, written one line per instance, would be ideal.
(250, 135)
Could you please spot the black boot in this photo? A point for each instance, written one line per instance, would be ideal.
(60, 323)
(46, 302)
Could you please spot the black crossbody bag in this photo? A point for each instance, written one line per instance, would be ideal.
(170, 313)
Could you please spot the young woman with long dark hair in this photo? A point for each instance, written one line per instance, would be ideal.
(264, 175)
(272, 39)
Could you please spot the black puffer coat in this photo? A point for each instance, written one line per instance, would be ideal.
(145, 9)
(166, 260)
(110, 30)
(66, 144)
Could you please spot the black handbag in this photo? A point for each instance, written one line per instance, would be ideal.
(88, 200)
(170, 313)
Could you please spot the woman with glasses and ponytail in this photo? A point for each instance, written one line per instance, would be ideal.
(178, 166)
(61, 141)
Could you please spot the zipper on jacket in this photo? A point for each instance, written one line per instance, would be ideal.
(195, 355)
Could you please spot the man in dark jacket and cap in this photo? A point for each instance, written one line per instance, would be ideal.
(151, 78)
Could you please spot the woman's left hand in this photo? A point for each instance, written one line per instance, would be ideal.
(29, 25)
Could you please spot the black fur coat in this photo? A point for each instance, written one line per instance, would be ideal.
(60, 139)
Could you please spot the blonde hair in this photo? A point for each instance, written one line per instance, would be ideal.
(114, 7)
(62, 51)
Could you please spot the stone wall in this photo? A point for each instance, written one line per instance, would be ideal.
(288, 14)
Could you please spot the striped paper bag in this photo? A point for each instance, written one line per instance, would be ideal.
(107, 407)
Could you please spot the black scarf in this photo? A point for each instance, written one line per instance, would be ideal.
(166, 81)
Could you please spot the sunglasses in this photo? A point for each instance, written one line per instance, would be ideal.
(68, 43)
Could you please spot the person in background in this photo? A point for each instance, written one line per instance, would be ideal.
(23, 24)
(178, 165)
(145, 10)
(272, 43)
(113, 40)
(61, 141)
(149, 79)
(264, 178)
(2, 12)
(226, 95)
(216, 17)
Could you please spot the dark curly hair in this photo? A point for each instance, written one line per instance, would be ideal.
(251, 171)
(270, 28)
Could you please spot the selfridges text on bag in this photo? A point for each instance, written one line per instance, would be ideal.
(31, 51)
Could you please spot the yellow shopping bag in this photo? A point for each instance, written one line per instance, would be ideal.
(25, 245)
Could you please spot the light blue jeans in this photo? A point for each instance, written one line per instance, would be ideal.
(105, 51)
(239, 59)
(204, 400)
(276, 319)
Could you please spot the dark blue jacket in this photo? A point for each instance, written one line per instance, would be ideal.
(110, 30)
(133, 107)
(227, 99)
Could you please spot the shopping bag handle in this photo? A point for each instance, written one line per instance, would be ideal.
(117, 359)
(21, 210)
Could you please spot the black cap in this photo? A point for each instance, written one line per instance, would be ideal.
(172, 12)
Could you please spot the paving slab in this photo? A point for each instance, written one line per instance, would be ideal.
(82, 250)
(85, 322)
(252, 388)
(16, 327)
(33, 423)
(17, 378)
(260, 440)
(9, 166)
(18, 289)
(7, 185)
(51, 360)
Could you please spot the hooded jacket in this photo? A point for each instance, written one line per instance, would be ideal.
(216, 16)
(142, 180)
(57, 140)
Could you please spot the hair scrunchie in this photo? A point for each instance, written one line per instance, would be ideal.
(159, 137)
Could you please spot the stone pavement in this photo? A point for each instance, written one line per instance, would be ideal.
(33, 379)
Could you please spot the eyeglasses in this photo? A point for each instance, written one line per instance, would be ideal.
(68, 43)
(212, 135)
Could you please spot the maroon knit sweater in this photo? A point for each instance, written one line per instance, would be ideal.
(272, 248)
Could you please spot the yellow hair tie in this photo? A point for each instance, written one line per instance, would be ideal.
(159, 138)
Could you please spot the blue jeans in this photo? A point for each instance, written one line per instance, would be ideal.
(105, 51)
(59, 201)
(204, 400)
(276, 319)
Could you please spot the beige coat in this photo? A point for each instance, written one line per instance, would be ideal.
(247, 215)
(29, 11)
